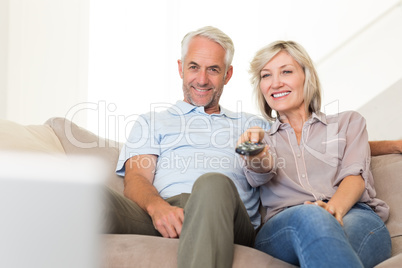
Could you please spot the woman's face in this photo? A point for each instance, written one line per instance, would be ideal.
(282, 82)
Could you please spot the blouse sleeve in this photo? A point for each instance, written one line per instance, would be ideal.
(355, 159)
(257, 179)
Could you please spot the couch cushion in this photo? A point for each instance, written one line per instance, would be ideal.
(393, 262)
(32, 138)
(77, 140)
(154, 252)
(387, 172)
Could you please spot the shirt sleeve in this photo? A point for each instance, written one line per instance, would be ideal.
(257, 179)
(356, 154)
(142, 140)
(356, 160)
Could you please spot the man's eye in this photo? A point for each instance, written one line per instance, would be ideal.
(193, 67)
(214, 70)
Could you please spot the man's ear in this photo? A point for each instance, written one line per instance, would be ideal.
(180, 66)
(229, 74)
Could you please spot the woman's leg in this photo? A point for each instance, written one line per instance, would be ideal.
(367, 234)
(308, 236)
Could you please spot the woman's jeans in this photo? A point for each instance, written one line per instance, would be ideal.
(309, 236)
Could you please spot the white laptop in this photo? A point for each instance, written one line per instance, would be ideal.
(50, 211)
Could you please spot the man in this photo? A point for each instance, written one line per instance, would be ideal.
(180, 168)
(190, 148)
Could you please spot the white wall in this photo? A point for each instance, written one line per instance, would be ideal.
(46, 48)
(365, 74)
(3, 56)
(383, 114)
(133, 54)
(133, 46)
(366, 64)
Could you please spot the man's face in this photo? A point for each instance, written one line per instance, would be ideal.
(204, 74)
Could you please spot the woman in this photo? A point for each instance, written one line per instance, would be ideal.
(314, 173)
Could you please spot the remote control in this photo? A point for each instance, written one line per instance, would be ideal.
(249, 148)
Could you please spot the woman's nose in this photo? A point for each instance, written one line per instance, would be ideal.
(277, 81)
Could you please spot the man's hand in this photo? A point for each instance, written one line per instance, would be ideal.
(140, 170)
(167, 219)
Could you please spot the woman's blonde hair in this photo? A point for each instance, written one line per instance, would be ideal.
(312, 87)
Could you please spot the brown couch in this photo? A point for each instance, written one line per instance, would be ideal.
(58, 135)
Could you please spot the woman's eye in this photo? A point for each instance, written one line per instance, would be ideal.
(265, 75)
(287, 72)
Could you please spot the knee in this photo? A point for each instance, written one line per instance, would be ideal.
(310, 223)
(213, 180)
(214, 183)
(314, 217)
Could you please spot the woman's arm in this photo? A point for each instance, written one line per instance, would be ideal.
(348, 193)
(353, 169)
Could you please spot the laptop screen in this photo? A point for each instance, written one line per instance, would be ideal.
(50, 210)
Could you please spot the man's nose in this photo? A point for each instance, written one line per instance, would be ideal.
(202, 77)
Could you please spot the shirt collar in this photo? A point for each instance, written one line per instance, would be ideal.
(315, 117)
(183, 107)
(319, 117)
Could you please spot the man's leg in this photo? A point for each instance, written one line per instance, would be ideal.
(214, 219)
(123, 216)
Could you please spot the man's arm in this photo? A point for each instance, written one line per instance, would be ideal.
(385, 147)
(138, 179)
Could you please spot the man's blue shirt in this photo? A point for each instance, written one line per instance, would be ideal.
(190, 143)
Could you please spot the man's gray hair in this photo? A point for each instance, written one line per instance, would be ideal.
(214, 34)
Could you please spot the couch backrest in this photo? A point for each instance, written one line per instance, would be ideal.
(79, 141)
(387, 173)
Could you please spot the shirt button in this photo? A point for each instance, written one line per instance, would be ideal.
(303, 175)
(298, 155)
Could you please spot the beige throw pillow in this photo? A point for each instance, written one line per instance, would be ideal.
(32, 138)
